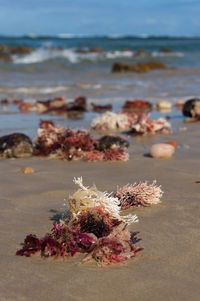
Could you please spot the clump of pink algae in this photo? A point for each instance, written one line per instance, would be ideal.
(95, 225)
(96, 229)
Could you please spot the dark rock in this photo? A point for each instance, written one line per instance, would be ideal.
(108, 142)
(101, 108)
(140, 67)
(20, 50)
(165, 50)
(16, 145)
(191, 107)
(4, 101)
(79, 104)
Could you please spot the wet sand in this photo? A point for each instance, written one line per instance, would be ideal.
(168, 267)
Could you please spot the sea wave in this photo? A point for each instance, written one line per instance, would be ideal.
(73, 56)
(33, 90)
(76, 56)
(164, 54)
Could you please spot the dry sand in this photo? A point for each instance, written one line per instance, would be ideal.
(166, 270)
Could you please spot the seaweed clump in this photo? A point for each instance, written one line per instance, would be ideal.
(136, 195)
(94, 227)
(61, 143)
(138, 124)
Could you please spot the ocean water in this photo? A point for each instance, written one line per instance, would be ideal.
(64, 66)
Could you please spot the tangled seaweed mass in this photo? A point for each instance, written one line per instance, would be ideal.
(95, 225)
(61, 143)
(138, 124)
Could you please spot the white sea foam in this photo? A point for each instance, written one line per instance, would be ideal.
(73, 56)
(34, 90)
(42, 54)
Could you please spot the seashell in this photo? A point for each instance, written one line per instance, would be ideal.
(27, 170)
(164, 105)
(162, 150)
(172, 142)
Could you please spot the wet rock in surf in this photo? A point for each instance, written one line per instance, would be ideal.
(101, 108)
(165, 50)
(16, 145)
(79, 104)
(137, 106)
(108, 142)
(140, 67)
(21, 50)
(191, 108)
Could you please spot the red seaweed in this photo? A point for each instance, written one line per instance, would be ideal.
(137, 106)
(74, 144)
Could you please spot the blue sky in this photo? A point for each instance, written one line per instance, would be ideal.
(159, 17)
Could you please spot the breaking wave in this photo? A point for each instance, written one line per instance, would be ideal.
(34, 90)
(76, 56)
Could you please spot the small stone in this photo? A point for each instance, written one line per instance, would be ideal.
(27, 170)
(164, 105)
(162, 150)
(191, 108)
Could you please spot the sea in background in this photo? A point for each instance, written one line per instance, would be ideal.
(70, 66)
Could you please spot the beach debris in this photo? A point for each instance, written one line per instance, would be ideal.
(165, 50)
(95, 227)
(191, 108)
(79, 104)
(27, 170)
(139, 67)
(55, 106)
(137, 106)
(110, 121)
(89, 197)
(16, 145)
(144, 126)
(101, 108)
(164, 106)
(133, 123)
(141, 194)
(115, 154)
(26, 107)
(61, 143)
(162, 150)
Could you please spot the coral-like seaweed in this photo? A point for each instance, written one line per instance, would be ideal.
(114, 154)
(138, 124)
(110, 121)
(143, 126)
(95, 227)
(61, 143)
(140, 194)
(89, 197)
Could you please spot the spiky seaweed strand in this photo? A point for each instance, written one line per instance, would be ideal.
(142, 194)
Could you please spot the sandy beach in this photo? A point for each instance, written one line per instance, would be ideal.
(168, 267)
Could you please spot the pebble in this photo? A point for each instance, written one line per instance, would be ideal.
(27, 170)
(164, 105)
(162, 150)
